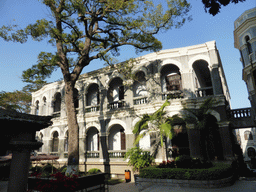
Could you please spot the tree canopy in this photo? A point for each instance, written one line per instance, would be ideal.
(18, 101)
(214, 6)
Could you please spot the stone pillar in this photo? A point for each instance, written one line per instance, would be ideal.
(20, 164)
(216, 81)
(194, 141)
(104, 156)
(226, 140)
(128, 96)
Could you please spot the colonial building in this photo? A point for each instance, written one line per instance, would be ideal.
(108, 105)
(245, 41)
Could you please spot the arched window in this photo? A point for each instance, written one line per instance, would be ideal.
(139, 86)
(92, 138)
(66, 142)
(44, 106)
(171, 78)
(116, 90)
(92, 96)
(116, 138)
(251, 152)
(57, 102)
(248, 44)
(202, 78)
(55, 142)
(40, 139)
(37, 107)
(248, 135)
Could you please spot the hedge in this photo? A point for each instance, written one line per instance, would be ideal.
(218, 171)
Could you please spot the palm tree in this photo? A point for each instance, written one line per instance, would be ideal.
(208, 128)
(157, 123)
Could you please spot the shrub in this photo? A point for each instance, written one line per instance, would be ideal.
(94, 171)
(168, 164)
(63, 169)
(183, 161)
(48, 169)
(138, 158)
(218, 171)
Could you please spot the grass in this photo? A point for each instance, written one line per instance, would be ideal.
(115, 181)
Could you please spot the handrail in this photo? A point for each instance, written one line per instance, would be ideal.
(240, 113)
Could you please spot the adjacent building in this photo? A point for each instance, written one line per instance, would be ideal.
(245, 42)
(109, 105)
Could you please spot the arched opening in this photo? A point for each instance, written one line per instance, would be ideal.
(251, 152)
(116, 138)
(44, 110)
(139, 86)
(37, 108)
(66, 142)
(92, 138)
(116, 93)
(57, 102)
(92, 96)
(180, 142)
(202, 78)
(248, 44)
(40, 139)
(210, 140)
(248, 135)
(171, 78)
(55, 141)
(171, 82)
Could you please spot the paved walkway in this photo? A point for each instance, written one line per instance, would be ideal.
(239, 186)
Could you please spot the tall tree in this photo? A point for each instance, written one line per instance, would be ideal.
(85, 30)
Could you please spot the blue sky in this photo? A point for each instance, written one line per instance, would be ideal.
(15, 57)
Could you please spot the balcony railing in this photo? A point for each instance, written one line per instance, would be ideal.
(140, 101)
(173, 95)
(116, 105)
(117, 154)
(54, 154)
(240, 113)
(92, 109)
(56, 114)
(204, 92)
(92, 154)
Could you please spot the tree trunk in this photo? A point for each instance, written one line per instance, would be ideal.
(73, 130)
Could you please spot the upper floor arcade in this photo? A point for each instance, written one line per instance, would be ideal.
(183, 73)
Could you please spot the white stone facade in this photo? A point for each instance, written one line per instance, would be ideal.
(245, 41)
(108, 106)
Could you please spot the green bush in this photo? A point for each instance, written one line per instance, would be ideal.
(94, 171)
(138, 158)
(63, 169)
(48, 169)
(183, 161)
(218, 171)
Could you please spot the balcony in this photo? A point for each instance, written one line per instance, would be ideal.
(240, 113)
(140, 100)
(173, 95)
(241, 118)
(204, 92)
(116, 154)
(116, 105)
(56, 114)
(92, 109)
(92, 154)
